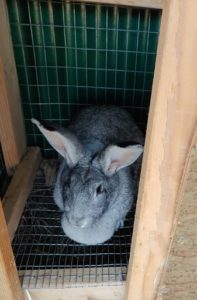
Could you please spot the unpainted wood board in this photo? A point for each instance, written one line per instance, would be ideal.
(18, 191)
(9, 282)
(91, 292)
(172, 119)
(157, 4)
(12, 131)
(179, 279)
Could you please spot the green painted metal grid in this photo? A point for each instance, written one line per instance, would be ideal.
(70, 55)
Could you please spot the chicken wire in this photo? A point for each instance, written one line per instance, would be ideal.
(70, 55)
(46, 257)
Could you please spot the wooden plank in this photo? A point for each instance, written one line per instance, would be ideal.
(9, 282)
(91, 292)
(157, 4)
(12, 132)
(172, 118)
(179, 279)
(19, 189)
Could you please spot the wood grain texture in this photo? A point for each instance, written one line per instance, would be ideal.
(18, 191)
(90, 292)
(172, 119)
(9, 282)
(179, 279)
(158, 4)
(12, 132)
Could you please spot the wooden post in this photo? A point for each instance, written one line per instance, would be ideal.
(179, 279)
(9, 282)
(172, 118)
(19, 189)
(12, 132)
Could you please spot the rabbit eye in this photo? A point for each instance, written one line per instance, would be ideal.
(99, 189)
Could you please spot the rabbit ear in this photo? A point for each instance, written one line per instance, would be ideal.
(115, 158)
(61, 140)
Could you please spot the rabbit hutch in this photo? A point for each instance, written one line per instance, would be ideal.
(57, 57)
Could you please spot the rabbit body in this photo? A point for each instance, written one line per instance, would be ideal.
(97, 181)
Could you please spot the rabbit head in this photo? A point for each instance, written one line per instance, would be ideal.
(88, 183)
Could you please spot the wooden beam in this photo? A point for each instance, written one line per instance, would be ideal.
(15, 198)
(9, 282)
(90, 292)
(172, 118)
(157, 4)
(12, 132)
(179, 279)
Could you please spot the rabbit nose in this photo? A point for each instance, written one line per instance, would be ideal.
(67, 207)
(77, 222)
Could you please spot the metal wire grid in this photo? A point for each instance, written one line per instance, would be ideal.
(45, 257)
(70, 55)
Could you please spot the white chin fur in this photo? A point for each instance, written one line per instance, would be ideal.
(87, 235)
(85, 224)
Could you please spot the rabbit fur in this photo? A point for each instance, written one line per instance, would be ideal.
(97, 180)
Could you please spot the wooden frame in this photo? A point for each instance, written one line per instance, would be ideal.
(172, 119)
(9, 281)
(91, 292)
(19, 189)
(178, 280)
(12, 131)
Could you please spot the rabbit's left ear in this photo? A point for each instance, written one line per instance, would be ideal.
(62, 140)
(115, 158)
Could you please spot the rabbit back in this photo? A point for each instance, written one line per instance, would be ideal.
(97, 127)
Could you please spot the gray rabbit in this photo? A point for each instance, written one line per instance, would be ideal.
(98, 177)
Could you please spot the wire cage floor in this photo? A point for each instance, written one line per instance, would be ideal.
(46, 257)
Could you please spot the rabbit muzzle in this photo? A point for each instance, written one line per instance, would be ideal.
(78, 222)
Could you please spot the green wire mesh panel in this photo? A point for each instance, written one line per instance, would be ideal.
(70, 55)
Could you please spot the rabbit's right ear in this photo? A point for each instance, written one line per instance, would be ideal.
(63, 141)
(115, 158)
